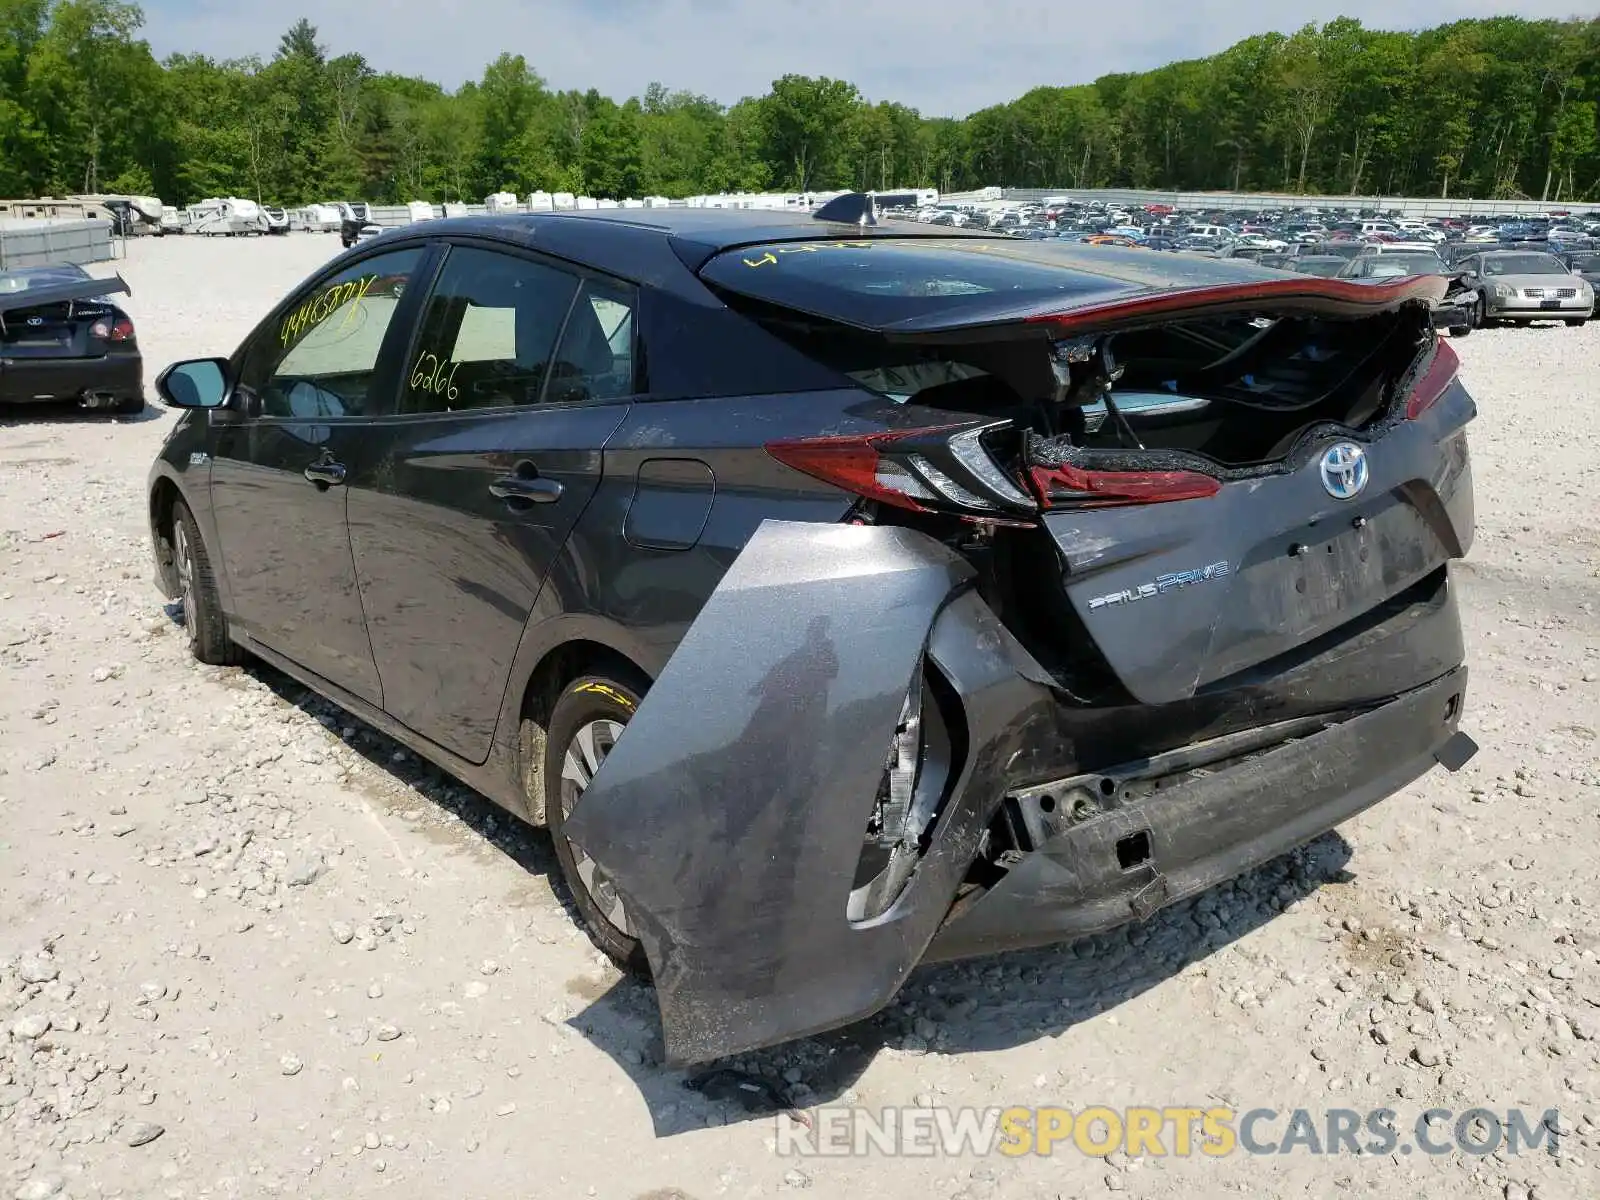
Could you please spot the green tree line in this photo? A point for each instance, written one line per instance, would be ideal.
(1496, 108)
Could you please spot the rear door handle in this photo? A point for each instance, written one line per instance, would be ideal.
(527, 485)
(325, 474)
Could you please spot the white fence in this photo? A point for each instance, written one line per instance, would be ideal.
(25, 243)
(1410, 206)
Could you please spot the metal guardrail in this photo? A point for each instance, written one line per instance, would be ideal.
(36, 243)
(1410, 206)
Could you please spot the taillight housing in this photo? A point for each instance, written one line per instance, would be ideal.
(927, 469)
(1066, 486)
(1442, 370)
(109, 330)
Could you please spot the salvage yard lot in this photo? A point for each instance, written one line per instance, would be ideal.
(283, 957)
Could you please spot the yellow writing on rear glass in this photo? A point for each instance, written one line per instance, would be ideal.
(771, 256)
(321, 306)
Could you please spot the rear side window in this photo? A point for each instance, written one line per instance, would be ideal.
(487, 334)
(596, 357)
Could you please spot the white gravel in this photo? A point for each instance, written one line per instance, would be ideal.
(422, 1019)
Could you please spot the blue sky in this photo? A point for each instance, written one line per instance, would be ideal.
(946, 57)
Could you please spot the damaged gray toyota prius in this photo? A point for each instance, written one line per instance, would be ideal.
(844, 596)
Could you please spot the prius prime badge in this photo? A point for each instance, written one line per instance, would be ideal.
(1344, 470)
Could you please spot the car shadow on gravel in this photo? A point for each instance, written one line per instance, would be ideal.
(986, 1004)
(20, 416)
(977, 1005)
(526, 846)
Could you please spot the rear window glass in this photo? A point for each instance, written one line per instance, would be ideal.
(40, 277)
(883, 281)
(1405, 264)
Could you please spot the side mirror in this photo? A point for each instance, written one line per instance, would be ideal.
(195, 383)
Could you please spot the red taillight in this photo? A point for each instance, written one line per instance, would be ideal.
(120, 330)
(932, 468)
(1075, 487)
(854, 463)
(1441, 373)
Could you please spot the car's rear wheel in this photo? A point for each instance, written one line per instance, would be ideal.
(587, 721)
(1576, 322)
(197, 591)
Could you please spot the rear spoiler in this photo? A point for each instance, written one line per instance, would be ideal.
(63, 293)
(1326, 295)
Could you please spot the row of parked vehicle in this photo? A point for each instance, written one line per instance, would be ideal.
(1511, 270)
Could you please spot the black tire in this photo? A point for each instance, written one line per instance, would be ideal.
(129, 406)
(601, 699)
(1458, 331)
(197, 589)
(1576, 322)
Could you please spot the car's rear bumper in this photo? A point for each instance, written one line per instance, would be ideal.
(1206, 830)
(24, 380)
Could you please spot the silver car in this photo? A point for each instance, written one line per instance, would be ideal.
(1528, 285)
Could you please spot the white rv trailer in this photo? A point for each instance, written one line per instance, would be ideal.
(226, 216)
(420, 210)
(316, 218)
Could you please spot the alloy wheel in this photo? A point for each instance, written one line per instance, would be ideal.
(585, 753)
(185, 564)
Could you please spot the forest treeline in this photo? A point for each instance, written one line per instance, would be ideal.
(1500, 108)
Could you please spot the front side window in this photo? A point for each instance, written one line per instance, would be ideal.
(488, 333)
(322, 356)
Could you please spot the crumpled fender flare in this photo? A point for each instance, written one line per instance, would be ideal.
(732, 812)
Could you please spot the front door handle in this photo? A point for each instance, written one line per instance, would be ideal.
(525, 484)
(326, 473)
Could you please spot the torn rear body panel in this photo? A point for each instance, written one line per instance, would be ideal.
(734, 816)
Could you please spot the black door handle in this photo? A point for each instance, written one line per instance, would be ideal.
(325, 474)
(525, 484)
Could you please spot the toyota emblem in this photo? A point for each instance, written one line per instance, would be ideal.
(1344, 470)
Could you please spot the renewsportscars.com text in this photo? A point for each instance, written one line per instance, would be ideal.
(1178, 1131)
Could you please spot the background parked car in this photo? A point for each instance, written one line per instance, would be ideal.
(1522, 286)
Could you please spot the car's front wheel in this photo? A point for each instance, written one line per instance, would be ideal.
(1576, 322)
(587, 721)
(197, 591)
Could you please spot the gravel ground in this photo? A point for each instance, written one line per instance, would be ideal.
(248, 947)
